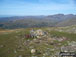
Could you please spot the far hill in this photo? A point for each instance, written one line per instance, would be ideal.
(69, 22)
(37, 21)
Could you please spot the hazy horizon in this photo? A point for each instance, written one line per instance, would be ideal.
(31, 15)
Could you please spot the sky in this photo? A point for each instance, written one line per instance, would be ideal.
(37, 7)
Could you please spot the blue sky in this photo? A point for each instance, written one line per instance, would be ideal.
(37, 7)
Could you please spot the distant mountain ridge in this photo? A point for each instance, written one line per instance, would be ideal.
(71, 21)
(37, 21)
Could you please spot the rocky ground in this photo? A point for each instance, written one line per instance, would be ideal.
(15, 44)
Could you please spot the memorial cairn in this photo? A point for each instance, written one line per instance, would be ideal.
(37, 33)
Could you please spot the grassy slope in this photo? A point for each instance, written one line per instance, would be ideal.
(11, 41)
(70, 36)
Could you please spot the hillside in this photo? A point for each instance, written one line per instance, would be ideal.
(71, 21)
(37, 21)
(13, 43)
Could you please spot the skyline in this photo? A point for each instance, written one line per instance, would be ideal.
(37, 7)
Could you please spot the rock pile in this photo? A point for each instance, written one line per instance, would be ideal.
(37, 33)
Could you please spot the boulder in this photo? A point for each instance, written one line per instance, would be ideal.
(33, 51)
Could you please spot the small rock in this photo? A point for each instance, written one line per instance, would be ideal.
(1, 46)
(15, 51)
(20, 55)
(33, 51)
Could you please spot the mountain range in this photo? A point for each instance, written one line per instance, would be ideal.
(57, 20)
